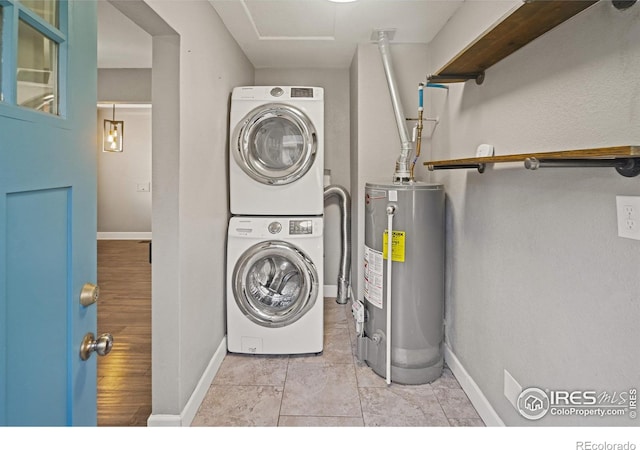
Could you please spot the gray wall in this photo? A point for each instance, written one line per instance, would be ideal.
(211, 64)
(336, 90)
(539, 283)
(375, 139)
(124, 85)
(121, 207)
(196, 63)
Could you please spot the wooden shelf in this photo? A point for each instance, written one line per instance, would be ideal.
(627, 151)
(529, 21)
(626, 160)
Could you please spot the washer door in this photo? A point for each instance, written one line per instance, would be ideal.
(274, 283)
(275, 144)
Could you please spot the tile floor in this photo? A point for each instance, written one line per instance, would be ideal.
(332, 389)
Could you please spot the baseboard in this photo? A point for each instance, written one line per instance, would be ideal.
(330, 290)
(163, 420)
(479, 401)
(124, 236)
(190, 410)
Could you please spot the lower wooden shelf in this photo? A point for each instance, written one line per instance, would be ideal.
(625, 159)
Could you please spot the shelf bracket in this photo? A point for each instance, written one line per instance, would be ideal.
(627, 167)
(457, 78)
(623, 4)
(480, 167)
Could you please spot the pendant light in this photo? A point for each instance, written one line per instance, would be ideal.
(113, 134)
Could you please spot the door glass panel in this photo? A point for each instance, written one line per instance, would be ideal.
(276, 144)
(47, 9)
(274, 282)
(37, 70)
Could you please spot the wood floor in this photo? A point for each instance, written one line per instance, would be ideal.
(124, 310)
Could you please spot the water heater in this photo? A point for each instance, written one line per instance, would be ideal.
(402, 333)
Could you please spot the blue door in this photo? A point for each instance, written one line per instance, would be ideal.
(47, 211)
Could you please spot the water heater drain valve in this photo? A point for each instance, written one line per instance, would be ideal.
(357, 309)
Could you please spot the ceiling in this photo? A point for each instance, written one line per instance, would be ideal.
(121, 43)
(287, 33)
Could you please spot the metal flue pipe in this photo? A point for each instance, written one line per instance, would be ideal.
(403, 169)
(345, 239)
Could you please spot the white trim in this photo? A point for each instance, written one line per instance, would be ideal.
(117, 236)
(163, 420)
(191, 408)
(185, 418)
(330, 290)
(489, 415)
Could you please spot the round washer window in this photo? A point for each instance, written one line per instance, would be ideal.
(274, 283)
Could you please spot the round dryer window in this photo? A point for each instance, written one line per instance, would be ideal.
(274, 283)
(275, 144)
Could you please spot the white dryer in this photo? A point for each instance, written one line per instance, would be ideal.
(276, 146)
(274, 285)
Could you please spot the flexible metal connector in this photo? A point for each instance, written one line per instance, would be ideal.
(403, 164)
(345, 239)
(418, 128)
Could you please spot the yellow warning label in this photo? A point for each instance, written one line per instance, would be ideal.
(397, 245)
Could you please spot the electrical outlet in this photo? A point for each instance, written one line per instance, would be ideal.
(484, 150)
(512, 389)
(628, 212)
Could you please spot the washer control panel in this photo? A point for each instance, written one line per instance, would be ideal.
(272, 227)
(300, 227)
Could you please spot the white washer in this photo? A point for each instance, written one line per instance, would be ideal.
(274, 285)
(276, 146)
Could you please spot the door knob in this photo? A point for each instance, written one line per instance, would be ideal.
(102, 346)
(89, 294)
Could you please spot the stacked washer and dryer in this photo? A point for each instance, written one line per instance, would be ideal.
(275, 235)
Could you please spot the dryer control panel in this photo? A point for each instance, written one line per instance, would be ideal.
(297, 92)
(278, 93)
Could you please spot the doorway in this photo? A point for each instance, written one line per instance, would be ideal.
(124, 268)
(124, 220)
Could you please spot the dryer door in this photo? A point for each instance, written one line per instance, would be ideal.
(275, 144)
(274, 283)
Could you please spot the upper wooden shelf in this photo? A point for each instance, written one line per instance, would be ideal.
(529, 21)
(626, 160)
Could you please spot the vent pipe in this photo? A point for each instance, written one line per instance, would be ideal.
(345, 239)
(403, 164)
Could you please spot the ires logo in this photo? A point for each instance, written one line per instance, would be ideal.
(534, 403)
(574, 398)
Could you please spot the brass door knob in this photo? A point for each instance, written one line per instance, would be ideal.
(89, 294)
(102, 346)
